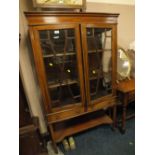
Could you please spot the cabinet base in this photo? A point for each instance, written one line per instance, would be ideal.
(79, 124)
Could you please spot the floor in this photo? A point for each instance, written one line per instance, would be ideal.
(103, 141)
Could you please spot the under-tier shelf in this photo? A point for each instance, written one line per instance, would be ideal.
(79, 124)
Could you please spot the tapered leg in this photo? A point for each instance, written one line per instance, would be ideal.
(53, 139)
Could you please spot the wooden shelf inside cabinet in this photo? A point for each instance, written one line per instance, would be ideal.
(91, 37)
(59, 54)
(67, 82)
(79, 124)
(95, 77)
(98, 50)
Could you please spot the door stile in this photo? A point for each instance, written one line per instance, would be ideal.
(85, 62)
(114, 58)
(40, 68)
(79, 60)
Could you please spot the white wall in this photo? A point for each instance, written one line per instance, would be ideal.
(126, 2)
(126, 20)
(27, 69)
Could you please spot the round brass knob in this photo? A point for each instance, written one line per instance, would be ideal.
(93, 71)
(50, 64)
(68, 70)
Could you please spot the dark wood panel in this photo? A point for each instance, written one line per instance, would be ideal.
(126, 86)
(78, 111)
(65, 114)
(36, 18)
(70, 14)
(29, 144)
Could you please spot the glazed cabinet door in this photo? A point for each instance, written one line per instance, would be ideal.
(99, 64)
(57, 54)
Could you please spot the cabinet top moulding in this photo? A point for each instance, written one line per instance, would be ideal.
(48, 17)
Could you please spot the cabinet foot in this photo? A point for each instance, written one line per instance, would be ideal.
(114, 129)
(55, 147)
(122, 131)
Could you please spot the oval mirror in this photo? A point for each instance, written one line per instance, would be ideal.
(123, 64)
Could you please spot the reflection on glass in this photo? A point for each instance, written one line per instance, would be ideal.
(59, 53)
(99, 61)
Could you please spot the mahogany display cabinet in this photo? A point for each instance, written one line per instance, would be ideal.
(75, 60)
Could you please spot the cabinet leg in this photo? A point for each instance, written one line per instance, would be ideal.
(53, 140)
(54, 147)
(114, 118)
(124, 113)
(123, 120)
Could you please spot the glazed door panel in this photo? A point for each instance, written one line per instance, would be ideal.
(97, 45)
(60, 53)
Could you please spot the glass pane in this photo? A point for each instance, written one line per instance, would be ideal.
(99, 61)
(60, 59)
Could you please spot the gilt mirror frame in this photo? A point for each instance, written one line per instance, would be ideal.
(121, 75)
